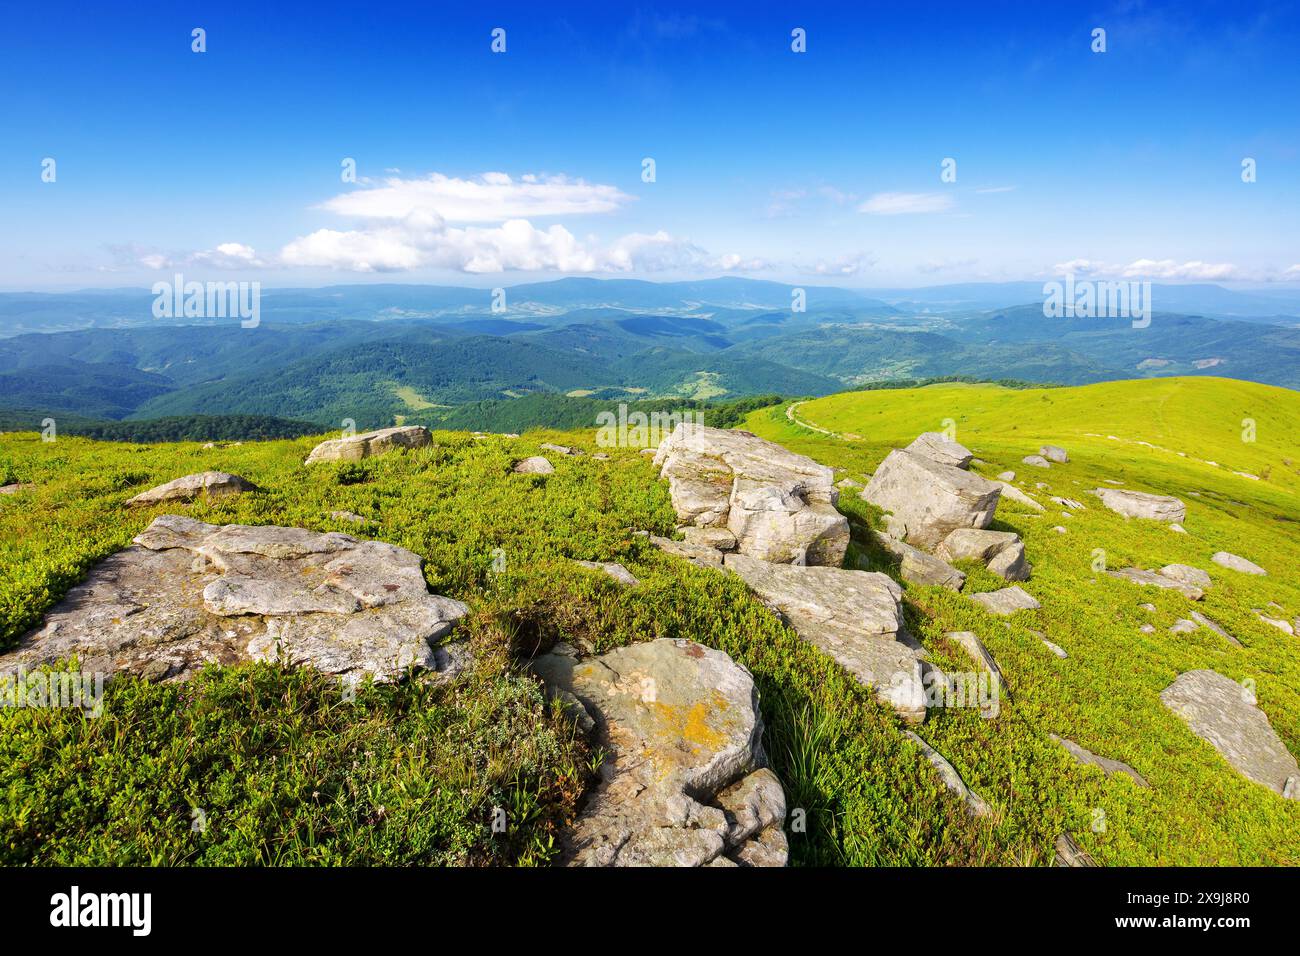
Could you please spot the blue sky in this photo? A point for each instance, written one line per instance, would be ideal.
(486, 169)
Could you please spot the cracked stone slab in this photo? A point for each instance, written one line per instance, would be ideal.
(854, 616)
(186, 593)
(1224, 714)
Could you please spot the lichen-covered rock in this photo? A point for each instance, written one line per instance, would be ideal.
(369, 444)
(932, 500)
(779, 506)
(187, 593)
(1223, 713)
(853, 616)
(205, 484)
(683, 785)
(1140, 504)
(939, 447)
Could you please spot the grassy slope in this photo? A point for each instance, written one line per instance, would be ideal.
(1105, 696)
(437, 760)
(285, 776)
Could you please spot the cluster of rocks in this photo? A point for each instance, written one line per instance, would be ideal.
(186, 593)
(938, 512)
(768, 516)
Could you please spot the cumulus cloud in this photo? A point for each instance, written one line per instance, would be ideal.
(226, 255)
(490, 197)
(899, 204)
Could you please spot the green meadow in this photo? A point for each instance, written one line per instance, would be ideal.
(281, 768)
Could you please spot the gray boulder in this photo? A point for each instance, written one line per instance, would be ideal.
(917, 567)
(930, 499)
(205, 484)
(1152, 579)
(537, 465)
(938, 447)
(1140, 504)
(1187, 575)
(779, 506)
(187, 593)
(1001, 551)
(853, 616)
(683, 784)
(1232, 562)
(697, 554)
(369, 444)
(1105, 764)
(1223, 713)
(1006, 601)
(975, 804)
(1054, 453)
(1011, 493)
(1036, 461)
(616, 571)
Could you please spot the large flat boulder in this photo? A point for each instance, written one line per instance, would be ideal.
(683, 784)
(939, 447)
(1006, 601)
(1140, 504)
(930, 499)
(1223, 713)
(853, 616)
(779, 506)
(187, 593)
(1157, 580)
(205, 484)
(369, 444)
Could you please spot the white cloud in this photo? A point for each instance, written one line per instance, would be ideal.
(226, 255)
(848, 265)
(1151, 269)
(490, 197)
(898, 204)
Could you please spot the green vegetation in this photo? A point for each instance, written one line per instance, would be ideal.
(288, 772)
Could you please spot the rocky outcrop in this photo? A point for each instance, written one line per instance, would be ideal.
(683, 784)
(698, 554)
(779, 506)
(931, 500)
(917, 567)
(1006, 601)
(1105, 764)
(537, 465)
(1139, 504)
(187, 593)
(369, 444)
(853, 616)
(1223, 713)
(938, 447)
(205, 484)
(1232, 562)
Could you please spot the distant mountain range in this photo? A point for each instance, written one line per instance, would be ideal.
(383, 353)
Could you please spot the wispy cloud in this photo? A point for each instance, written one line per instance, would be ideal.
(901, 204)
(1151, 269)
